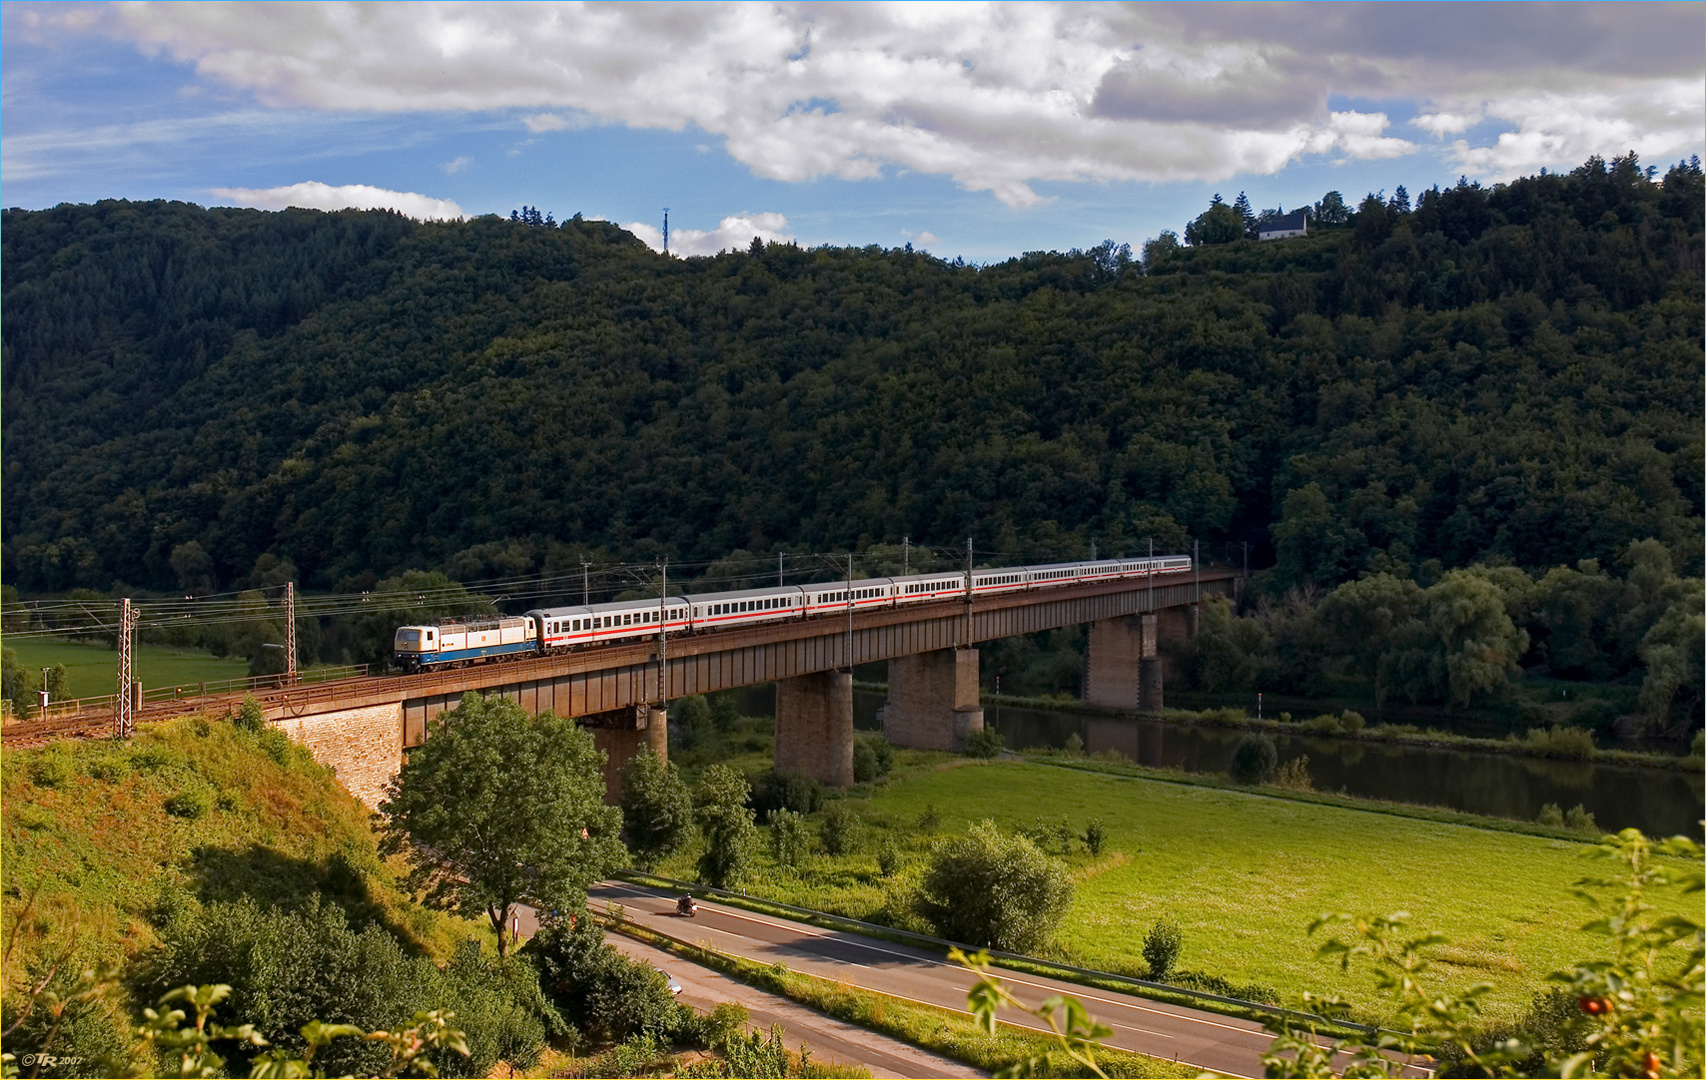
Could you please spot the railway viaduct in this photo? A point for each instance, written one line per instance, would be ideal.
(363, 727)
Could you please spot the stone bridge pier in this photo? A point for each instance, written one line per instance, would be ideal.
(814, 726)
(933, 701)
(1122, 664)
(620, 733)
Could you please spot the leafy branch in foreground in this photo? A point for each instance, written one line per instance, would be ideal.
(165, 1037)
(1068, 1022)
(1638, 1013)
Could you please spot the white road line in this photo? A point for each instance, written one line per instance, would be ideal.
(1010, 976)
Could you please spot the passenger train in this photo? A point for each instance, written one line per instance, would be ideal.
(555, 630)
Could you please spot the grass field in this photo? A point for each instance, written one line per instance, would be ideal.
(1242, 873)
(93, 669)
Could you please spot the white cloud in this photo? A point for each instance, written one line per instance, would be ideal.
(735, 231)
(925, 239)
(314, 195)
(1441, 124)
(456, 166)
(998, 97)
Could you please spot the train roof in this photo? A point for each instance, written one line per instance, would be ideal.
(742, 594)
(599, 609)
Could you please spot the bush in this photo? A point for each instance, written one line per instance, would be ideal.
(888, 859)
(154, 757)
(1578, 819)
(289, 967)
(250, 716)
(784, 789)
(1352, 722)
(724, 712)
(629, 998)
(1095, 835)
(1550, 814)
(1571, 742)
(1054, 837)
(841, 830)
(787, 837)
(1325, 724)
(1697, 748)
(864, 762)
(986, 743)
(1161, 948)
(277, 746)
(714, 1028)
(108, 767)
(1074, 745)
(929, 821)
(1253, 760)
(49, 768)
(988, 889)
(191, 803)
(1294, 775)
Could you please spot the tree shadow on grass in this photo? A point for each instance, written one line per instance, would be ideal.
(282, 882)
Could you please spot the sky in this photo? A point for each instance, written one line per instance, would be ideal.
(968, 130)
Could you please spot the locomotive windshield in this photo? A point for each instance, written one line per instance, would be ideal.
(408, 639)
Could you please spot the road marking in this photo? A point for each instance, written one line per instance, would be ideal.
(809, 931)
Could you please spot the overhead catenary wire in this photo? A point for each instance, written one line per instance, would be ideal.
(82, 617)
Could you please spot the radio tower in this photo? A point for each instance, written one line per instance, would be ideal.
(666, 230)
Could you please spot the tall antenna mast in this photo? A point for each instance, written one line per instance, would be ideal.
(666, 230)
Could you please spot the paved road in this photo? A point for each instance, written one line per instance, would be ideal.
(827, 1038)
(1204, 1040)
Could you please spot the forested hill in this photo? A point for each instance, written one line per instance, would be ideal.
(1511, 371)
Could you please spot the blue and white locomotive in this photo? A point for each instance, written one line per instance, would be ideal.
(555, 630)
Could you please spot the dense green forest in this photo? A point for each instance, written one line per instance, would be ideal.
(1508, 374)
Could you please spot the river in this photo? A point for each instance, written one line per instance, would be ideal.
(1659, 802)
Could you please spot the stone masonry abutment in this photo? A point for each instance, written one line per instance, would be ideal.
(933, 700)
(814, 726)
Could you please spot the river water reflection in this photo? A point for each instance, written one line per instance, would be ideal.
(1660, 802)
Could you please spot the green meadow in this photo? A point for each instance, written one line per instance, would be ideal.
(93, 669)
(1242, 871)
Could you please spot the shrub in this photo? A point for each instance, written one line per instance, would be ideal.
(1550, 814)
(1161, 947)
(724, 712)
(287, 968)
(1055, 837)
(1294, 775)
(191, 803)
(989, 889)
(277, 746)
(109, 767)
(249, 716)
(864, 762)
(1579, 819)
(1352, 722)
(154, 757)
(1560, 741)
(628, 998)
(1325, 724)
(1253, 760)
(784, 789)
(1697, 748)
(714, 1028)
(787, 837)
(1074, 744)
(929, 821)
(49, 768)
(986, 743)
(1095, 835)
(841, 830)
(888, 859)
(692, 714)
